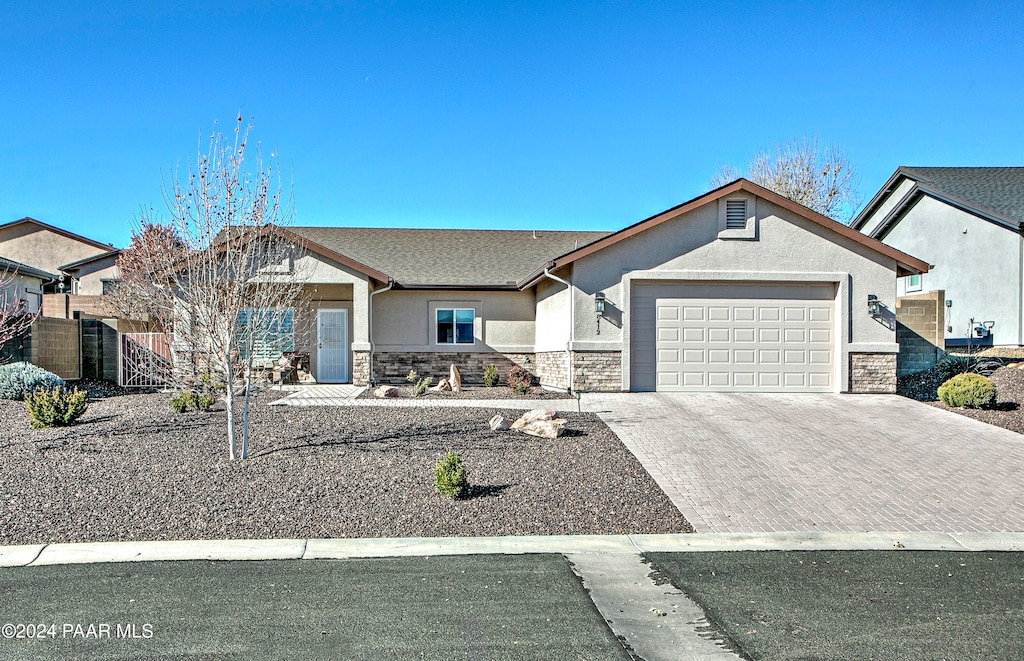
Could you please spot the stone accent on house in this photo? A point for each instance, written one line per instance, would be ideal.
(872, 372)
(597, 371)
(394, 366)
(360, 368)
(920, 321)
(549, 367)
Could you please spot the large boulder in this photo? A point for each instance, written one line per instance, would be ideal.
(536, 415)
(386, 391)
(544, 428)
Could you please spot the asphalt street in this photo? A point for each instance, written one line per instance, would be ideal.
(455, 607)
(791, 605)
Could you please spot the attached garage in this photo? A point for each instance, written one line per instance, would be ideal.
(733, 337)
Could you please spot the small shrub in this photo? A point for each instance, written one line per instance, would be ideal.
(188, 400)
(450, 477)
(419, 385)
(519, 380)
(953, 364)
(971, 391)
(56, 407)
(491, 376)
(19, 379)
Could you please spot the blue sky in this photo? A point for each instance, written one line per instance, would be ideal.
(539, 115)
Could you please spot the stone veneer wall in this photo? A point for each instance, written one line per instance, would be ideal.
(549, 367)
(597, 371)
(360, 368)
(394, 366)
(872, 372)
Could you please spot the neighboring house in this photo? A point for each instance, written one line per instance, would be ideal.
(739, 289)
(968, 223)
(21, 282)
(93, 276)
(50, 248)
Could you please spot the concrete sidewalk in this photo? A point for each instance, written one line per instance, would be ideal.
(320, 549)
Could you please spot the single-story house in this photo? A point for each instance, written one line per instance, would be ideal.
(738, 289)
(968, 223)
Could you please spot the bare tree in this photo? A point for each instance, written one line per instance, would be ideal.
(15, 319)
(824, 180)
(235, 280)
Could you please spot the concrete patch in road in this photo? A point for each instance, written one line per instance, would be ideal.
(656, 621)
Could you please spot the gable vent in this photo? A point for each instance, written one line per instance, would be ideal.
(735, 214)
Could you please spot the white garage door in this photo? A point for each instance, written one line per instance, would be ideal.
(733, 337)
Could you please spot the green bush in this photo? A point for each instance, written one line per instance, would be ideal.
(450, 477)
(19, 379)
(491, 376)
(421, 385)
(971, 391)
(519, 380)
(56, 407)
(188, 400)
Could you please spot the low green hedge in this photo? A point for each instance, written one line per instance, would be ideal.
(972, 391)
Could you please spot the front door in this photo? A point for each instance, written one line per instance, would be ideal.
(332, 346)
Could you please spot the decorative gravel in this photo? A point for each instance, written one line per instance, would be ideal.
(1007, 412)
(497, 392)
(132, 469)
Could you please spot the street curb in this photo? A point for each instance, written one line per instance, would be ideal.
(326, 549)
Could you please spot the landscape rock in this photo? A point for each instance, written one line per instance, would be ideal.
(454, 378)
(536, 415)
(544, 428)
(499, 423)
(386, 391)
(442, 386)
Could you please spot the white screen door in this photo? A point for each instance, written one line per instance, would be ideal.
(332, 346)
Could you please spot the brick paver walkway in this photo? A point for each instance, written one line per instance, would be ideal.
(763, 463)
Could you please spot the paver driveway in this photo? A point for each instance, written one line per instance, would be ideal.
(765, 462)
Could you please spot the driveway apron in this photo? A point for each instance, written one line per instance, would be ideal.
(773, 463)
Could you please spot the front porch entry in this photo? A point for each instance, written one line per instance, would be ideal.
(332, 356)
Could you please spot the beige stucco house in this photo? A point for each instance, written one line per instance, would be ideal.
(84, 263)
(738, 289)
(21, 284)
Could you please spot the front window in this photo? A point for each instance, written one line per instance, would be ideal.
(914, 282)
(455, 325)
(266, 333)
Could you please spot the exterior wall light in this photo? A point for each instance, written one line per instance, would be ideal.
(599, 299)
(874, 306)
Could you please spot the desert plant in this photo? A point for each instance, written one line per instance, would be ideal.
(188, 400)
(953, 364)
(450, 477)
(519, 380)
(56, 407)
(420, 386)
(968, 390)
(19, 379)
(491, 376)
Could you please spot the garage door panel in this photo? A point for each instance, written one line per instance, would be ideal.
(743, 334)
(747, 337)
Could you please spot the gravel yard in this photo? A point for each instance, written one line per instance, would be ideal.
(1007, 413)
(476, 392)
(131, 469)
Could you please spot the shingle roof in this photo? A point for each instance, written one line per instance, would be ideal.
(997, 189)
(449, 258)
(82, 262)
(9, 266)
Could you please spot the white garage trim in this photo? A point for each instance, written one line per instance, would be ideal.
(842, 317)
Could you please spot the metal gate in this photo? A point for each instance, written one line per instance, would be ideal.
(144, 360)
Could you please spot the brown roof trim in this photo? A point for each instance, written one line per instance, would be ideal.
(71, 266)
(908, 263)
(62, 232)
(348, 262)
